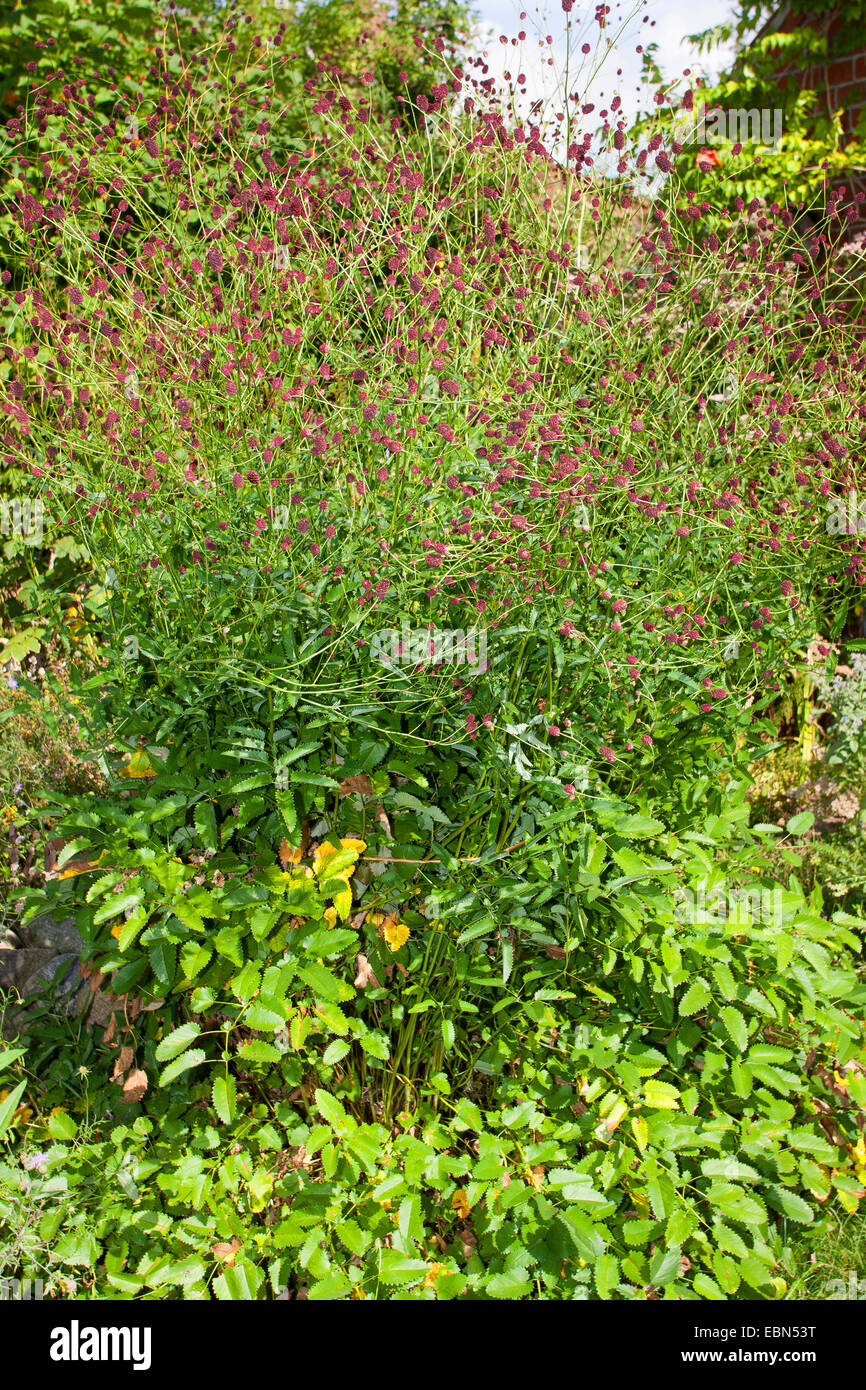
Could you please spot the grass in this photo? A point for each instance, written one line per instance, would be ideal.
(835, 1251)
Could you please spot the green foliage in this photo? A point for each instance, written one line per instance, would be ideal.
(631, 1106)
(810, 153)
(843, 699)
(424, 987)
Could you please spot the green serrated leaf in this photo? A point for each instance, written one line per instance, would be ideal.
(177, 1041)
(789, 1204)
(695, 998)
(205, 823)
(224, 1096)
(736, 1027)
(193, 1058)
(606, 1275)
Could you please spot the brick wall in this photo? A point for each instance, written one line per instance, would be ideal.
(840, 80)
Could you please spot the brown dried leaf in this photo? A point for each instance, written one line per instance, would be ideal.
(52, 850)
(555, 952)
(135, 1086)
(360, 785)
(77, 866)
(364, 973)
(226, 1250)
(122, 1062)
(468, 1240)
(104, 1008)
(288, 855)
(828, 1124)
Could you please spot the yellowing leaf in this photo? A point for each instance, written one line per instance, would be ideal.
(640, 1130)
(359, 845)
(325, 851)
(226, 1250)
(80, 867)
(617, 1114)
(433, 1272)
(343, 900)
(460, 1203)
(331, 916)
(390, 929)
(336, 865)
(661, 1095)
(288, 855)
(139, 765)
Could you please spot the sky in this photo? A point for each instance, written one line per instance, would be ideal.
(663, 22)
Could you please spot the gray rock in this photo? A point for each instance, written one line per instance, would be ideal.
(44, 934)
(16, 967)
(63, 979)
(8, 939)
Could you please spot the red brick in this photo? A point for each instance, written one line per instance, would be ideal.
(849, 94)
(840, 70)
(859, 61)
